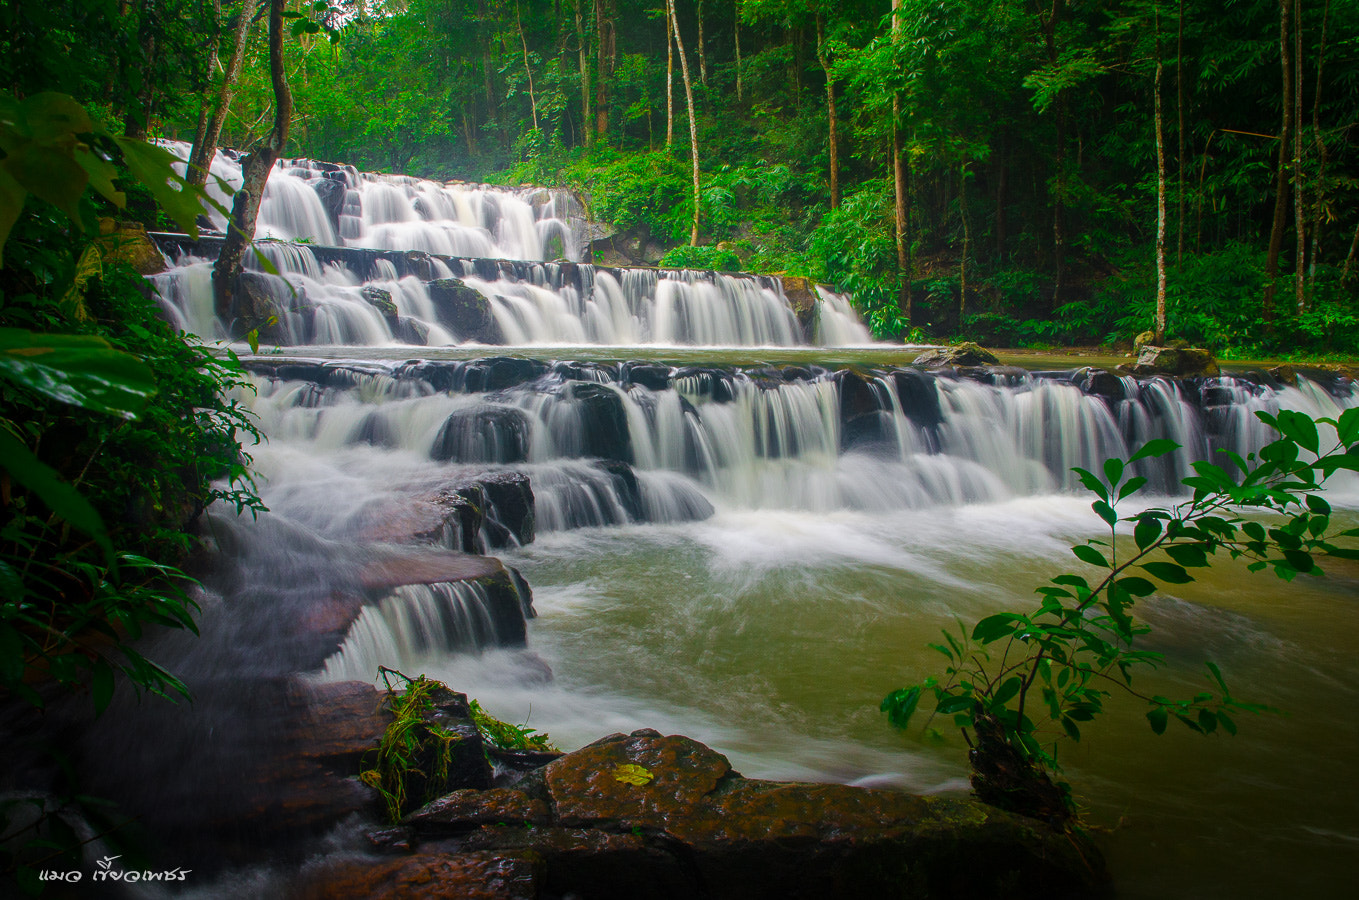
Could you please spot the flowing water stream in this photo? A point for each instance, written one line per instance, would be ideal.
(753, 554)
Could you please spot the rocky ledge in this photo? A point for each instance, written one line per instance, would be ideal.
(650, 816)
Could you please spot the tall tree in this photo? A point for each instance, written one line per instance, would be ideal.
(693, 122)
(255, 169)
(1160, 188)
(205, 143)
(1276, 233)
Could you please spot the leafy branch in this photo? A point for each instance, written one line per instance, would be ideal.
(1022, 682)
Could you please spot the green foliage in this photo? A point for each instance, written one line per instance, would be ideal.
(687, 256)
(113, 428)
(414, 751)
(1024, 681)
(506, 736)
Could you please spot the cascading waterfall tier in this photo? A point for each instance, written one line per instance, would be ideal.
(639, 442)
(363, 296)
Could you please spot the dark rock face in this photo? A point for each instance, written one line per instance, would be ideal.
(1100, 383)
(801, 294)
(656, 378)
(695, 828)
(380, 300)
(465, 310)
(964, 354)
(470, 876)
(511, 517)
(261, 301)
(919, 397)
(483, 434)
(331, 191)
(603, 420)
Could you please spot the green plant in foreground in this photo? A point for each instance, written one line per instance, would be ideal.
(1023, 681)
(506, 736)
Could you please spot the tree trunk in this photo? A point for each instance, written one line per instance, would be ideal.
(1319, 146)
(1160, 193)
(137, 113)
(533, 100)
(586, 120)
(1179, 132)
(669, 78)
(736, 33)
(606, 47)
(255, 171)
(203, 115)
(200, 159)
(899, 189)
(702, 51)
(1349, 260)
(830, 113)
(1002, 187)
(693, 124)
(1281, 180)
(967, 242)
(1299, 196)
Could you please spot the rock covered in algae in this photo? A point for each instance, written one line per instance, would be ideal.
(964, 354)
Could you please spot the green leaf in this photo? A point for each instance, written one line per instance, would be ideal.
(1158, 718)
(12, 196)
(1168, 572)
(1300, 560)
(1157, 447)
(1188, 555)
(1347, 426)
(62, 499)
(1072, 731)
(901, 704)
(1300, 428)
(79, 369)
(955, 704)
(1138, 587)
(628, 773)
(1113, 470)
(1147, 531)
(993, 628)
(1092, 483)
(1133, 486)
(1006, 691)
(1086, 553)
(154, 167)
(1105, 512)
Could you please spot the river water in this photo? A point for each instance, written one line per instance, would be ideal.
(799, 535)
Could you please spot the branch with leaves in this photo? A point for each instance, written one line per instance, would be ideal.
(1022, 682)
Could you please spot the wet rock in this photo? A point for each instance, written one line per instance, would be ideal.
(625, 487)
(604, 423)
(468, 876)
(695, 828)
(918, 395)
(483, 434)
(715, 384)
(1187, 361)
(504, 605)
(466, 809)
(260, 302)
(1100, 383)
(801, 294)
(410, 331)
(1285, 374)
(511, 516)
(466, 311)
(964, 354)
(330, 190)
(380, 300)
(656, 378)
(497, 373)
(417, 263)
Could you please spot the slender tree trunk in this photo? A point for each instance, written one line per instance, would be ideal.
(669, 78)
(203, 104)
(702, 49)
(1180, 131)
(1349, 259)
(1319, 147)
(693, 123)
(137, 114)
(205, 146)
(1276, 233)
(255, 170)
(606, 46)
(1160, 192)
(736, 33)
(586, 119)
(834, 144)
(967, 242)
(899, 189)
(1002, 186)
(533, 100)
(1299, 195)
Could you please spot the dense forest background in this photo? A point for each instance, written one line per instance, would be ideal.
(964, 168)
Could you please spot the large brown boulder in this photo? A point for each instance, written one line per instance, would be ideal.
(1181, 361)
(964, 354)
(127, 242)
(801, 294)
(648, 816)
